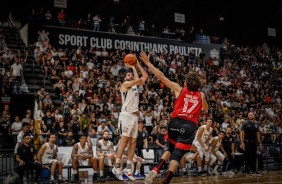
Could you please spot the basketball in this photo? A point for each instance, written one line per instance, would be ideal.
(130, 59)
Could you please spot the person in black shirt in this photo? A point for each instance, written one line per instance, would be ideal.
(141, 141)
(48, 120)
(62, 133)
(75, 127)
(228, 147)
(160, 140)
(5, 129)
(69, 140)
(249, 136)
(162, 143)
(26, 158)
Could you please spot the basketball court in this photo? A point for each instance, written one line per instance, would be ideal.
(271, 177)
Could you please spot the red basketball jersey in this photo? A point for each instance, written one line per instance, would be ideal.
(188, 106)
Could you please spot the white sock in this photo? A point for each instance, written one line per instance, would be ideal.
(129, 165)
(205, 167)
(128, 162)
(199, 169)
(101, 173)
(52, 177)
(183, 169)
(60, 177)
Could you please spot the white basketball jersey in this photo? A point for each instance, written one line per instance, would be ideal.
(48, 153)
(105, 149)
(204, 137)
(130, 100)
(83, 151)
(218, 144)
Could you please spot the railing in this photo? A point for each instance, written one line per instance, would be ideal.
(7, 161)
(272, 156)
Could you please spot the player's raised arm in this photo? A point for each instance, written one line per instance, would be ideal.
(172, 85)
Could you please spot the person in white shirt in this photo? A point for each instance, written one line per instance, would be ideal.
(105, 153)
(216, 154)
(200, 145)
(102, 128)
(16, 70)
(16, 126)
(114, 70)
(128, 118)
(82, 154)
(48, 156)
(225, 124)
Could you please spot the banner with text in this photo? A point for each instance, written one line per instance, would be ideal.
(74, 38)
(179, 17)
(60, 3)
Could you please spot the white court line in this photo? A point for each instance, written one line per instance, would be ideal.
(229, 179)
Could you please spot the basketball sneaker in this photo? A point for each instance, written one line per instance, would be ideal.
(138, 176)
(152, 174)
(128, 173)
(118, 175)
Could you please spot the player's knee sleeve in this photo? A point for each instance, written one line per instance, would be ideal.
(213, 159)
(222, 157)
(177, 154)
(207, 156)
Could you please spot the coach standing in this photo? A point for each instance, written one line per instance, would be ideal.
(249, 137)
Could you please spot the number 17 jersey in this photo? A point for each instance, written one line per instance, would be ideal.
(188, 105)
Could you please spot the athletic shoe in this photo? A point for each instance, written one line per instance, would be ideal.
(224, 173)
(139, 176)
(210, 173)
(202, 173)
(230, 173)
(249, 174)
(94, 177)
(52, 181)
(257, 173)
(152, 174)
(102, 179)
(128, 173)
(124, 177)
(61, 181)
(118, 175)
(215, 172)
(184, 174)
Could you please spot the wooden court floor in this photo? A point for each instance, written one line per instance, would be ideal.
(268, 177)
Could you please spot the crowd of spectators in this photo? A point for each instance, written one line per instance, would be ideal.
(87, 84)
(11, 71)
(124, 25)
